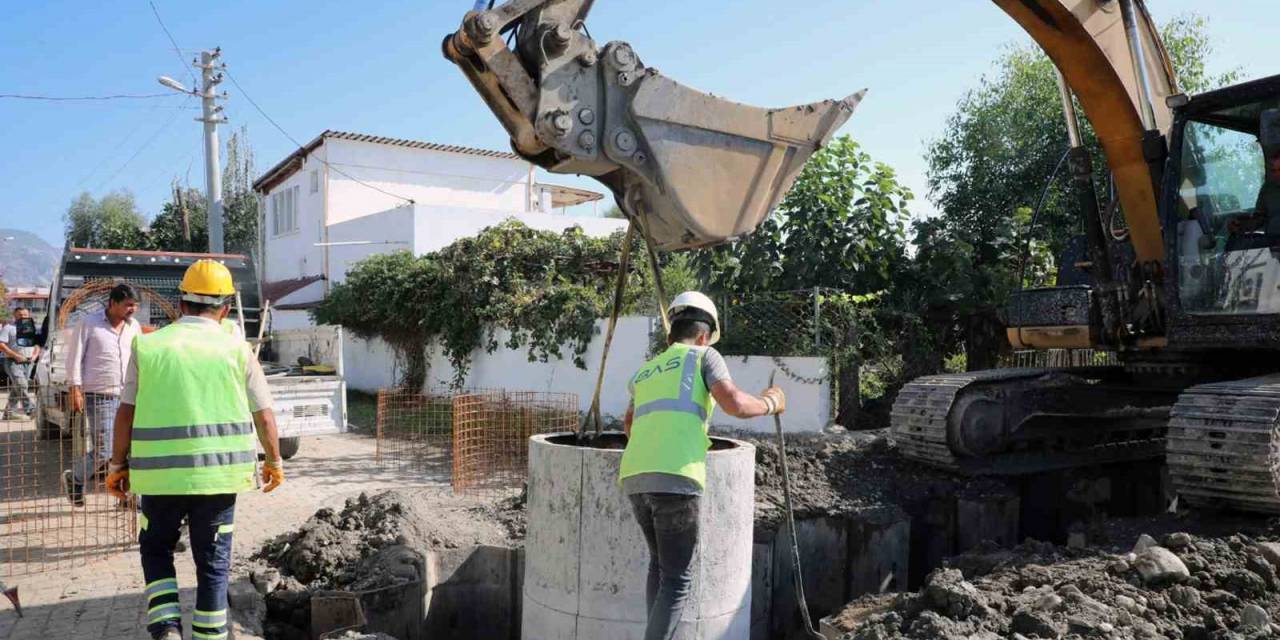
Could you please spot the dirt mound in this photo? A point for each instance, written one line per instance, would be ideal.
(1182, 586)
(354, 546)
(834, 475)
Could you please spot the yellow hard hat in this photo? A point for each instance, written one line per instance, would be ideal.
(207, 282)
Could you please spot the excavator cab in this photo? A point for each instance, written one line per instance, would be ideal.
(1225, 211)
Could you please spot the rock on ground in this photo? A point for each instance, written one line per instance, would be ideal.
(1038, 590)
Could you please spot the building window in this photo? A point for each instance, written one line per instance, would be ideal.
(284, 211)
(315, 181)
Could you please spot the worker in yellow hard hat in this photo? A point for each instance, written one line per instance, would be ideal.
(664, 466)
(192, 400)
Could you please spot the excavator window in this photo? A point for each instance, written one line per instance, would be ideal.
(1228, 240)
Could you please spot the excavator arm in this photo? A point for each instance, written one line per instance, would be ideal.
(695, 169)
(698, 170)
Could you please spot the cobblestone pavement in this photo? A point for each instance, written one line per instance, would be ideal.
(102, 600)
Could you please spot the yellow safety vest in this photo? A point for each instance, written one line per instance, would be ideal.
(669, 423)
(193, 431)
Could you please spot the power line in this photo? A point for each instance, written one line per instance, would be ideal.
(300, 145)
(176, 50)
(122, 96)
(142, 148)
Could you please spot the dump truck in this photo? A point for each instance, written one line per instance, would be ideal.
(308, 400)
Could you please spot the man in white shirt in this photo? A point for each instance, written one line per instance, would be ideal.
(97, 359)
(18, 342)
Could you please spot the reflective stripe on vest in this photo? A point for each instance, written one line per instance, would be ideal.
(669, 427)
(193, 432)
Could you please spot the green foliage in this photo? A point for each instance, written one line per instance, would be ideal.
(986, 172)
(110, 222)
(545, 289)
(840, 226)
(114, 222)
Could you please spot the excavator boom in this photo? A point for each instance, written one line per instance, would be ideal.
(695, 169)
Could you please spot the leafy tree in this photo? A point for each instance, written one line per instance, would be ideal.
(986, 173)
(240, 208)
(111, 222)
(840, 226)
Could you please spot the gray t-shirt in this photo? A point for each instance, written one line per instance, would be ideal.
(714, 371)
(9, 336)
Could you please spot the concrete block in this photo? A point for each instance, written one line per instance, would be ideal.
(987, 517)
(555, 489)
(879, 546)
(762, 585)
(540, 622)
(580, 520)
(823, 557)
(474, 593)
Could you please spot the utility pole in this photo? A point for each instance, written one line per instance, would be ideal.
(211, 77)
(210, 66)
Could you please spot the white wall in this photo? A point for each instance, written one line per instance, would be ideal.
(294, 254)
(370, 365)
(290, 319)
(440, 178)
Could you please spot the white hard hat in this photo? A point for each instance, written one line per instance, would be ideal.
(700, 301)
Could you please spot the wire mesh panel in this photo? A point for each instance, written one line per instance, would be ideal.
(491, 434)
(54, 509)
(415, 429)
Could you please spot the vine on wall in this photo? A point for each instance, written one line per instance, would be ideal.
(545, 289)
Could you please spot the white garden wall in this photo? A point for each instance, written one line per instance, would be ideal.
(370, 365)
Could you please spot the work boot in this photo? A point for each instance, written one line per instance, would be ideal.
(75, 492)
(172, 633)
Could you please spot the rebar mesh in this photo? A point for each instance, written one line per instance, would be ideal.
(40, 528)
(491, 432)
(415, 430)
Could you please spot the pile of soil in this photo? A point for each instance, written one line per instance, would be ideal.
(838, 475)
(334, 549)
(373, 542)
(1183, 586)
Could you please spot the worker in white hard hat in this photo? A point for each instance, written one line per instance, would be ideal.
(664, 464)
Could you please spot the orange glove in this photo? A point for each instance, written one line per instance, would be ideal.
(272, 475)
(776, 399)
(118, 480)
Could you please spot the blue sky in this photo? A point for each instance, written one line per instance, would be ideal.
(375, 67)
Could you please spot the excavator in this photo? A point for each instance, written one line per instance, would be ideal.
(1177, 272)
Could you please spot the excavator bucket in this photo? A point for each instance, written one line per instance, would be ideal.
(694, 169)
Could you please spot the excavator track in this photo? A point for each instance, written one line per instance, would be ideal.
(1073, 417)
(918, 421)
(1223, 446)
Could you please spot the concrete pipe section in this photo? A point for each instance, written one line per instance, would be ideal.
(586, 560)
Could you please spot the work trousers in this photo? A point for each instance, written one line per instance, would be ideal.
(212, 522)
(670, 525)
(19, 378)
(100, 419)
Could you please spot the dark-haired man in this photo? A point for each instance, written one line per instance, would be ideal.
(97, 358)
(20, 345)
(664, 464)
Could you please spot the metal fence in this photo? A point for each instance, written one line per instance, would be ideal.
(41, 528)
(475, 439)
(415, 430)
(780, 323)
(491, 432)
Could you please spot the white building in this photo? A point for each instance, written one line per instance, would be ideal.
(345, 196)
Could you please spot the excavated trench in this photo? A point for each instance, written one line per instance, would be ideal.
(867, 521)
